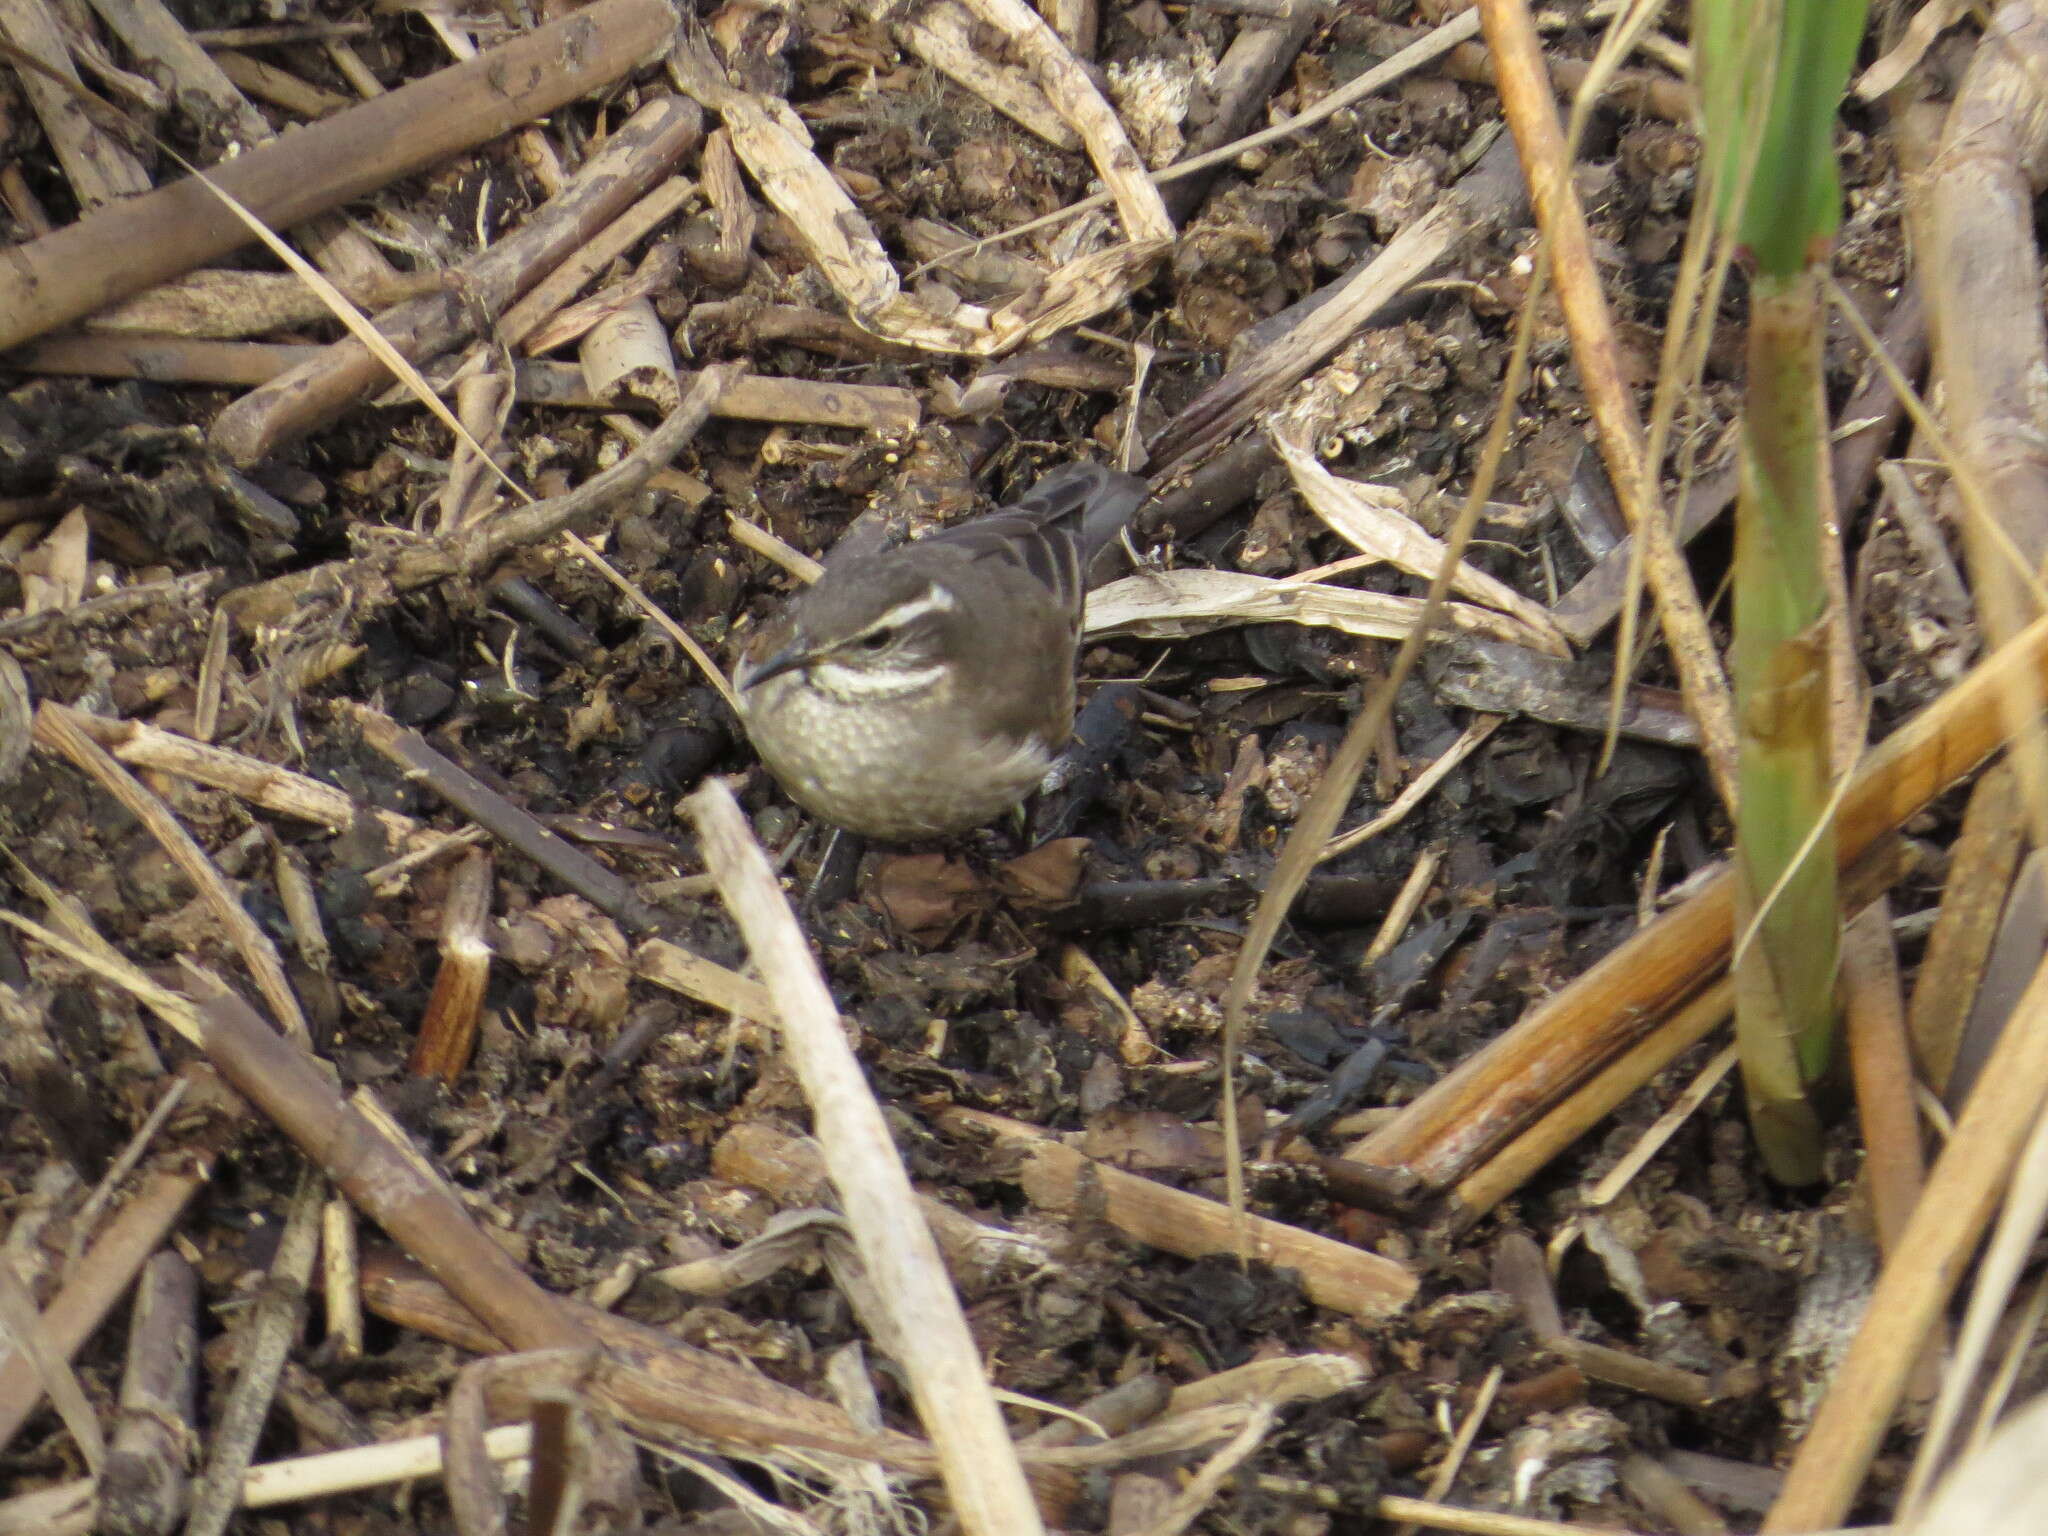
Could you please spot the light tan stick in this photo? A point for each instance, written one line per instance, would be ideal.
(1937, 1245)
(1333, 1274)
(341, 1279)
(274, 789)
(672, 966)
(72, 1509)
(944, 35)
(626, 357)
(57, 730)
(1066, 84)
(875, 408)
(1667, 1125)
(939, 1356)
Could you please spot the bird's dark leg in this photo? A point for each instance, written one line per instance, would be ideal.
(1080, 773)
(832, 881)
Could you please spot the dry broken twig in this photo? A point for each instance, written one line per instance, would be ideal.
(1058, 1177)
(630, 163)
(931, 1341)
(472, 550)
(132, 245)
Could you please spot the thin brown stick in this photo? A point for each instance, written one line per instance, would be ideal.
(280, 87)
(1530, 105)
(403, 1293)
(168, 359)
(1519, 1270)
(264, 1337)
(265, 36)
(392, 1185)
(516, 828)
(1874, 1016)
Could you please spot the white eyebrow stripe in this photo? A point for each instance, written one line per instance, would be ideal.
(934, 599)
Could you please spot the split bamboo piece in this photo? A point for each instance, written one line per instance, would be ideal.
(1495, 1093)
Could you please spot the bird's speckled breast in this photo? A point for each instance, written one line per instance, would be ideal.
(887, 773)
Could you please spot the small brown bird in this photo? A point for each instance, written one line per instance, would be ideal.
(926, 689)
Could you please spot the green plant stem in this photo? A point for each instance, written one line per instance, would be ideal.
(1785, 978)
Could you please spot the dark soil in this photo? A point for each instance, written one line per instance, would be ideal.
(585, 1131)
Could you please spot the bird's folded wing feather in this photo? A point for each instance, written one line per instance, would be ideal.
(1055, 529)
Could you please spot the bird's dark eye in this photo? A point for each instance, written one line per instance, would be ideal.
(878, 641)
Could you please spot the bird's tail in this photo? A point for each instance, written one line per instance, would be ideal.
(1094, 501)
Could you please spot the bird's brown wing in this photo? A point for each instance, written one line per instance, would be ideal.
(1055, 529)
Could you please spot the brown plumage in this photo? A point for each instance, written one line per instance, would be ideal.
(926, 689)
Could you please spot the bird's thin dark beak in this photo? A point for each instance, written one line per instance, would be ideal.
(751, 673)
